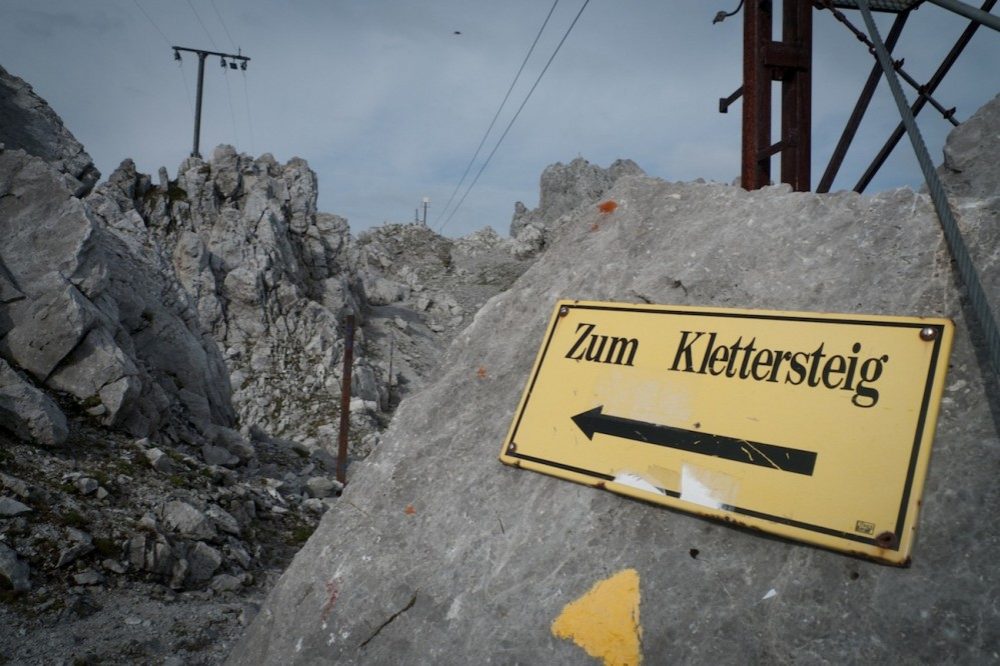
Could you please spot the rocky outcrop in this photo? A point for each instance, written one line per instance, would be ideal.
(29, 124)
(28, 412)
(970, 166)
(503, 551)
(563, 189)
(93, 318)
(264, 275)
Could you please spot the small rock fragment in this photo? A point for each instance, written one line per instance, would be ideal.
(9, 508)
(184, 519)
(203, 560)
(321, 486)
(159, 461)
(225, 583)
(13, 571)
(216, 455)
(89, 577)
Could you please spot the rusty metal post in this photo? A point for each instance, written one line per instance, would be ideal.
(755, 171)
(345, 400)
(392, 348)
(796, 95)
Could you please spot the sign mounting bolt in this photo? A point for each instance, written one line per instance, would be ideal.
(563, 311)
(928, 333)
(512, 447)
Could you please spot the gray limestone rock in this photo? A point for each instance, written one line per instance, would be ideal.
(159, 460)
(99, 319)
(563, 189)
(152, 553)
(27, 412)
(11, 508)
(203, 561)
(28, 123)
(89, 577)
(970, 166)
(226, 583)
(320, 486)
(184, 519)
(223, 520)
(13, 571)
(216, 455)
(502, 551)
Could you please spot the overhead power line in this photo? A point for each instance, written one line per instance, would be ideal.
(197, 16)
(151, 21)
(231, 42)
(516, 114)
(496, 115)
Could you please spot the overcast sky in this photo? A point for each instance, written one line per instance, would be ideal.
(388, 104)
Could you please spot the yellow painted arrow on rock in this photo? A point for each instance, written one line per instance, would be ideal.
(605, 620)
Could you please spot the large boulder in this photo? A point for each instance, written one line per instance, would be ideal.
(438, 552)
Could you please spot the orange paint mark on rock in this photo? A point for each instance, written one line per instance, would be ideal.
(608, 206)
(481, 372)
(409, 510)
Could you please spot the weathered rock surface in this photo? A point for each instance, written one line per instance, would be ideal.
(970, 166)
(28, 412)
(563, 189)
(13, 571)
(458, 559)
(96, 319)
(29, 124)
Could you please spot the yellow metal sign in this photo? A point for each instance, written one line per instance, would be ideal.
(816, 427)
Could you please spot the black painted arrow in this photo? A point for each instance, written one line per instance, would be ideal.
(730, 448)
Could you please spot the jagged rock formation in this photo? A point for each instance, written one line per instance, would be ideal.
(88, 316)
(456, 558)
(30, 125)
(265, 274)
(563, 188)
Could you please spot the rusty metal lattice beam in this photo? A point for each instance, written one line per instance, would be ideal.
(851, 129)
(922, 100)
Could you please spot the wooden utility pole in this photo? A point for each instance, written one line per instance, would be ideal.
(242, 59)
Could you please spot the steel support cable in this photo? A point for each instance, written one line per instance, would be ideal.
(516, 114)
(198, 16)
(918, 105)
(953, 236)
(151, 21)
(180, 68)
(489, 129)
